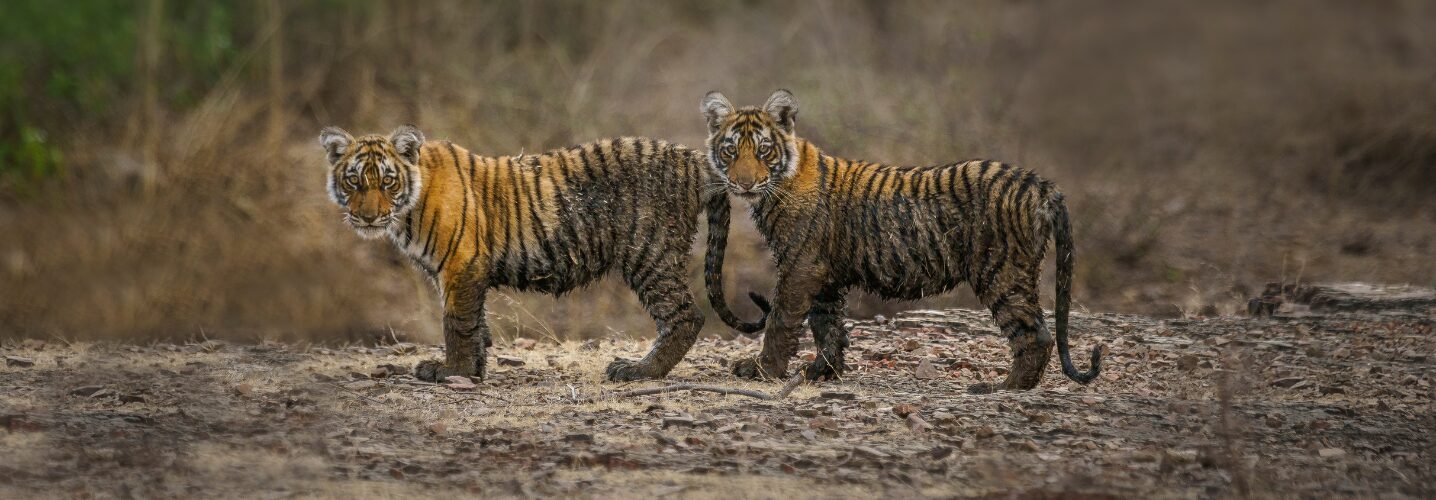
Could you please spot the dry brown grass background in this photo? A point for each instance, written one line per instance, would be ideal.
(1205, 147)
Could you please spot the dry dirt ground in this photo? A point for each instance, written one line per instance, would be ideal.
(1306, 403)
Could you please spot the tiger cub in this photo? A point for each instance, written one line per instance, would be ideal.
(900, 232)
(547, 222)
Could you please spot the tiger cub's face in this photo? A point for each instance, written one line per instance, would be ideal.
(375, 178)
(753, 149)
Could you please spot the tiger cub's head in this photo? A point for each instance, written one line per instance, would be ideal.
(375, 178)
(752, 148)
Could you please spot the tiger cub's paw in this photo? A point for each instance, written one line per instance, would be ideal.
(434, 371)
(752, 369)
(624, 370)
(821, 370)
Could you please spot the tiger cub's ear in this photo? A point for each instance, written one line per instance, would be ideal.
(407, 140)
(335, 142)
(715, 107)
(783, 108)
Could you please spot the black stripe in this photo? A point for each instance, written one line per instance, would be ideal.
(469, 187)
(536, 203)
(463, 210)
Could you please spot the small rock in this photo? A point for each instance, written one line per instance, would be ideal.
(459, 383)
(1331, 453)
(984, 432)
(131, 398)
(807, 412)
(870, 451)
(1331, 389)
(578, 438)
(911, 345)
(905, 409)
(678, 422)
(388, 370)
(87, 391)
(438, 428)
(19, 362)
(823, 423)
(880, 319)
(845, 396)
(943, 417)
(589, 345)
(525, 344)
(926, 371)
(510, 360)
(917, 424)
(1188, 362)
(102, 393)
(1030, 446)
(661, 439)
(1287, 383)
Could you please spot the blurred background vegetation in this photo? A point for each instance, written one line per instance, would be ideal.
(159, 176)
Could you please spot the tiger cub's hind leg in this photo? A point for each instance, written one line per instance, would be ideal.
(829, 335)
(1012, 298)
(664, 292)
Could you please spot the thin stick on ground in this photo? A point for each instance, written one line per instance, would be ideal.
(781, 394)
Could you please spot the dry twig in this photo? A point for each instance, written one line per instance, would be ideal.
(781, 394)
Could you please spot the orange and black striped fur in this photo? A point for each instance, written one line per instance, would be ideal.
(549, 222)
(899, 232)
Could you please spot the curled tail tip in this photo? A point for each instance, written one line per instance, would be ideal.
(1091, 373)
(763, 305)
(761, 302)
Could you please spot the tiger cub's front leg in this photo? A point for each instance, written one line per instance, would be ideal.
(466, 335)
(829, 335)
(795, 294)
